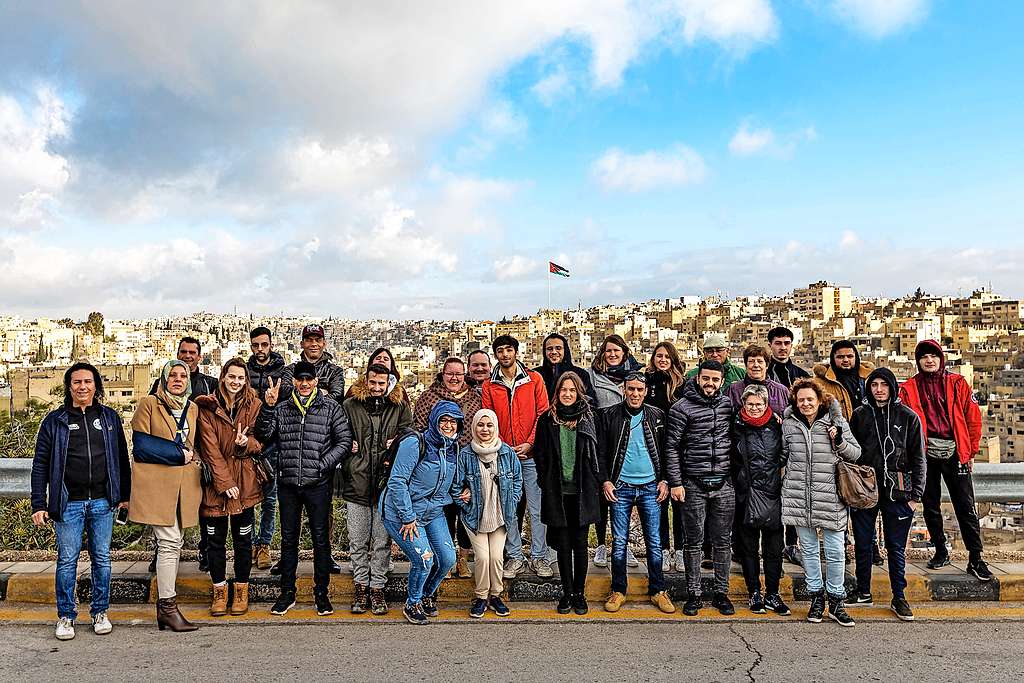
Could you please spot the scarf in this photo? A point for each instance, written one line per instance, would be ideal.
(487, 452)
(303, 405)
(627, 366)
(569, 415)
(172, 401)
(756, 421)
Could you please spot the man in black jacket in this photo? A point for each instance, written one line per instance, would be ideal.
(697, 461)
(891, 441)
(631, 448)
(330, 377)
(313, 436)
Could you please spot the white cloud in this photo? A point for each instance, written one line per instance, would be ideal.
(749, 140)
(552, 87)
(737, 24)
(881, 18)
(618, 170)
(850, 240)
(515, 267)
(357, 162)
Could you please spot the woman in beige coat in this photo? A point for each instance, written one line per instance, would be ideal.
(166, 489)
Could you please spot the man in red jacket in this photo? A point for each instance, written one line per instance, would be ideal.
(518, 397)
(952, 423)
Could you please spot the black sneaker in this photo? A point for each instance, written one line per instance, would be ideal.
(478, 608)
(692, 605)
(284, 603)
(979, 569)
(837, 612)
(876, 556)
(707, 563)
(275, 569)
(756, 603)
(773, 601)
(414, 614)
(817, 608)
(723, 603)
(323, 604)
(429, 605)
(861, 599)
(939, 560)
(204, 565)
(792, 555)
(901, 608)
(565, 603)
(579, 604)
(498, 606)
(335, 567)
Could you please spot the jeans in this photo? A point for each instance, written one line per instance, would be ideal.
(369, 545)
(961, 494)
(215, 531)
(645, 499)
(317, 501)
(431, 556)
(268, 510)
(716, 508)
(748, 540)
(677, 524)
(571, 545)
(835, 560)
(96, 518)
(897, 519)
(538, 533)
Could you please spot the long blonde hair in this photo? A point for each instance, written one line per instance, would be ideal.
(676, 370)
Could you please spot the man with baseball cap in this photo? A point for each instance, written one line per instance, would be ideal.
(330, 377)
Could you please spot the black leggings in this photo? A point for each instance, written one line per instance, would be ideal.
(458, 532)
(215, 531)
(570, 544)
(602, 524)
(677, 524)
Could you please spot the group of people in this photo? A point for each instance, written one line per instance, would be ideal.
(741, 460)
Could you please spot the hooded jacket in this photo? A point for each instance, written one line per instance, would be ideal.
(698, 441)
(964, 412)
(418, 489)
(891, 438)
(551, 372)
(374, 421)
(588, 473)
(809, 494)
(260, 375)
(468, 402)
(825, 374)
(733, 373)
(330, 378)
(517, 408)
(230, 465)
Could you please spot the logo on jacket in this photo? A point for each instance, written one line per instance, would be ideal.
(898, 428)
(73, 426)
(96, 424)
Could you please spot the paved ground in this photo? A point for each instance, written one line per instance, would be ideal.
(711, 650)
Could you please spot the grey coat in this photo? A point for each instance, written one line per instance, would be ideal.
(809, 495)
(606, 391)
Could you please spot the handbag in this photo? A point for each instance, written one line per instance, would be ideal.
(857, 485)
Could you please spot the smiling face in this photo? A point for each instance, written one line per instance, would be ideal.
(662, 360)
(930, 362)
(382, 358)
(448, 426)
(177, 381)
(719, 353)
(554, 350)
(567, 394)
(376, 384)
(188, 354)
(807, 402)
(613, 354)
(754, 406)
(710, 381)
(635, 392)
(305, 386)
(313, 347)
(757, 368)
(234, 381)
(454, 377)
(484, 429)
(83, 388)
(480, 366)
(506, 356)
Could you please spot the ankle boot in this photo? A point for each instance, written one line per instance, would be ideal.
(817, 608)
(240, 602)
(462, 569)
(168, 616)
(219, 604)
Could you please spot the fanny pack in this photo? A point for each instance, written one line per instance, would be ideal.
(941, 449)
(710, 482)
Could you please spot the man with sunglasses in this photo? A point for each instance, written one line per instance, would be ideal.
(716, 348)
(631, 446)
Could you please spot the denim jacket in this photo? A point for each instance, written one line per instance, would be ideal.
(510, 484)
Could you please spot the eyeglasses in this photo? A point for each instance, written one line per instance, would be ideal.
(448, 420)
(453, 374)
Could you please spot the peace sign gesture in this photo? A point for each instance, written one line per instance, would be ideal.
(241, 440)
(272, 391)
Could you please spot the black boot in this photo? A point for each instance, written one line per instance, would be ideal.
(817, 609)
(692, 605)
(837, 612)
(204, 566)
(579, 604)
(565, 603)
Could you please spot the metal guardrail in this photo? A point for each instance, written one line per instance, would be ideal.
(993, 483)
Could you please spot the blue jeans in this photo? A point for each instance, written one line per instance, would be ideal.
(896, 521)
(835, 560)
(267, 512)
(538, 532)
(644, 499)
(96, 519)
(431, 556)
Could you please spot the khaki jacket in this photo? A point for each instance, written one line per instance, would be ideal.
(826, 377)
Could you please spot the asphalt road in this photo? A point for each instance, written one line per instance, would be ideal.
(938, 651)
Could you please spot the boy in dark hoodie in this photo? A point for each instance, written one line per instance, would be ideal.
(892, 442)
(557, 361)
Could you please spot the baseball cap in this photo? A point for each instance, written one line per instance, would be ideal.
(312, 330)
(304, 370)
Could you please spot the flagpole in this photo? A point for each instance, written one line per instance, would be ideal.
(549, 288)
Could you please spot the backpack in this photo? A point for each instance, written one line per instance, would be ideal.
(388, 462)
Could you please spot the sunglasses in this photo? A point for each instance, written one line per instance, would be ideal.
(636, 377)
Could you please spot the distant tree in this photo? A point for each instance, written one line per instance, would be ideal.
(94, 324)
(66, 322)
(919, 294)
(40, 354)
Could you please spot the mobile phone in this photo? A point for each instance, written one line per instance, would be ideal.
(122, 516)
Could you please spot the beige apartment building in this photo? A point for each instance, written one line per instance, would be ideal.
(123, 385)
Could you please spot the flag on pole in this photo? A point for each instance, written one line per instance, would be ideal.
(556, 269)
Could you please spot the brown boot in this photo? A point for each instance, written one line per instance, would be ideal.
(261, 557)
(240, 601)
(169, 616)
(219, 605)
(462, 565)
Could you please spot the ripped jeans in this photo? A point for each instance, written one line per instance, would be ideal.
(431, 556)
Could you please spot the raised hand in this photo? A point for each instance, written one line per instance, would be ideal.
(270, 396)
(241, 440)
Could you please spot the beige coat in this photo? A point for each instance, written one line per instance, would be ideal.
(159, 491)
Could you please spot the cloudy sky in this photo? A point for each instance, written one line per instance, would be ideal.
(411, 160)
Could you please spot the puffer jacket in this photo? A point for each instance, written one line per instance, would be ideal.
(809, 494)
(757, 452)
(310, 446)
(374, 421)
(698, 441)
(517, 408)
(330, 378)
(231, 466)
(891, 438)
(419, 488)
(613, 437)
(510, 484)
(260, 375)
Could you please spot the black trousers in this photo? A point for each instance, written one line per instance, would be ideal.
(678, 533)
(570, 543)
(316, 499)
(215, 531)
(458, 532)
(755, 544)
(791, 535)
(961, 494)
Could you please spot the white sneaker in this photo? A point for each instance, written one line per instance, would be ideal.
(601, 556)
(65, 629)
(680, 561)
(631, 560)
(101, 624)
(666, 561)
(543, 569)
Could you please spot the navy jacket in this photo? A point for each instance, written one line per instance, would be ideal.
(48, 490)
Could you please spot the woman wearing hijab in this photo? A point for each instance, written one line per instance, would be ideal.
(608, 372)
(569, 472)
(491, 480)
(666, 375)
(166, 489)
(226, 421)
(421, 483)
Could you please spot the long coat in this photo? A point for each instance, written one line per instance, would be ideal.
(547, 453)
(231, 466)
(158, 491)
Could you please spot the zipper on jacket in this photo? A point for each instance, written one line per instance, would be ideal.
(88, 449)
(302, 430)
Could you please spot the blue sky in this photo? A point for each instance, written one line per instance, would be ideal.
(406, 162)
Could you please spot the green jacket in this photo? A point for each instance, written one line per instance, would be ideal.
(733, 373)
(358, 474)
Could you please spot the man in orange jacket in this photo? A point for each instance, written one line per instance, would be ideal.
(952, 423)
(518, 397)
